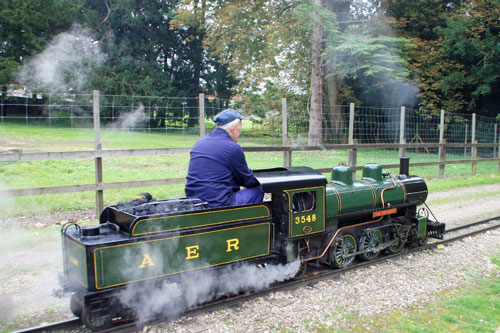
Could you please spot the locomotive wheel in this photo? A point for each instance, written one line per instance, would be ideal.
(419, 241)
(400, 244)
(75, 305)
(301, 272)
(303, 265)
(371, 239)
(341, 254)
(98, 315)
(396, 248)
(423, 241)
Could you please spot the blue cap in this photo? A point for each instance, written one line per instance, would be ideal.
(227, 116)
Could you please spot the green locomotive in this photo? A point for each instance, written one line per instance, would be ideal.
(305, 219)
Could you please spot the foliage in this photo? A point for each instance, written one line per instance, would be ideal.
(149, 56)
(257, 39)
(448, 48)
(419, 18)
(146, 55)
(373, 67)
(371, 56)
(471, 38)
(455, 61)
(370, 63)
(264, 41)
(26, 27)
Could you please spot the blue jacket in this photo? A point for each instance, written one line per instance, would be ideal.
(217, 169)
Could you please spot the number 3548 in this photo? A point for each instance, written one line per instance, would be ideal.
(305, 218)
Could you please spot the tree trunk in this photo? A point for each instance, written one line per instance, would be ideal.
(316, 112)
(341, 9)
(334, 112)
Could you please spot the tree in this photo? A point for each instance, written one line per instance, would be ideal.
(146, 54)
(150, 56)
(315, 134)
(262, 40)
(471, 39)
(27, 26)
(334, 81)
(455, 61)
(299, 45)
(137, 37)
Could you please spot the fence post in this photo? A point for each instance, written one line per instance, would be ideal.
(352, 157)
(442, 158)
(441, 131)
(201, 105)
(498, 156)
(474, 157)
(287, 155)
(50, 109)
(27, 108)
(402, 150)
(1, 105)
(495, 140)
(351, 123)
(474, 148)
(97, 146)
(465, 141)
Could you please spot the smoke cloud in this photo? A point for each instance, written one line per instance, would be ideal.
(133, 119)
(195, 288)
(65, 64)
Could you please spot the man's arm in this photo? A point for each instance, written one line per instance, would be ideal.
(239, 168)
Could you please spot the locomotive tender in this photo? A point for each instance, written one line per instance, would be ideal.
(306, 219)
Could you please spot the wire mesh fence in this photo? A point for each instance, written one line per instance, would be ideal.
(180, 116)
(65, 122)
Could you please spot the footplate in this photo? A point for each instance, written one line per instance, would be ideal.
(435, 229)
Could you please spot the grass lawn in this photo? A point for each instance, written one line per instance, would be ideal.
(474, 308)
(32, 138)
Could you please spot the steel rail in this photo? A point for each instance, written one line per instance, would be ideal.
(465, 226)
(312, 278)
(58, 326)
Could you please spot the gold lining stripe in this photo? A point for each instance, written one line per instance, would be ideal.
(303, 189)
(199, 225)
(188, 270)
(338, 199)
(405, 199)
(373, 192)
(84, 284)
(74, 242)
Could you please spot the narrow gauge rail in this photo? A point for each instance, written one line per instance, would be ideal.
(308, 279)
(59, 326)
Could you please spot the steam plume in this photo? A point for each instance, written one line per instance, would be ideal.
(65, 64)
(194, 288)
(132, 119)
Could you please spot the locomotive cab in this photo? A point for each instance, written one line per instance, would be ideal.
(298, 199)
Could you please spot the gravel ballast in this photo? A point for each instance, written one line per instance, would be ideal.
(395, 285)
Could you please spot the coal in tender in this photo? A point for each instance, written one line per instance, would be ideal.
(143, 207)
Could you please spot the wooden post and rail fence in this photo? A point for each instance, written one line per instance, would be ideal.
(98, 154)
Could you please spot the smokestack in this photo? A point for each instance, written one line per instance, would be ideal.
(404, 167)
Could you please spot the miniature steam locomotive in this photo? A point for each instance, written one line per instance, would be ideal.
(307, 220)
